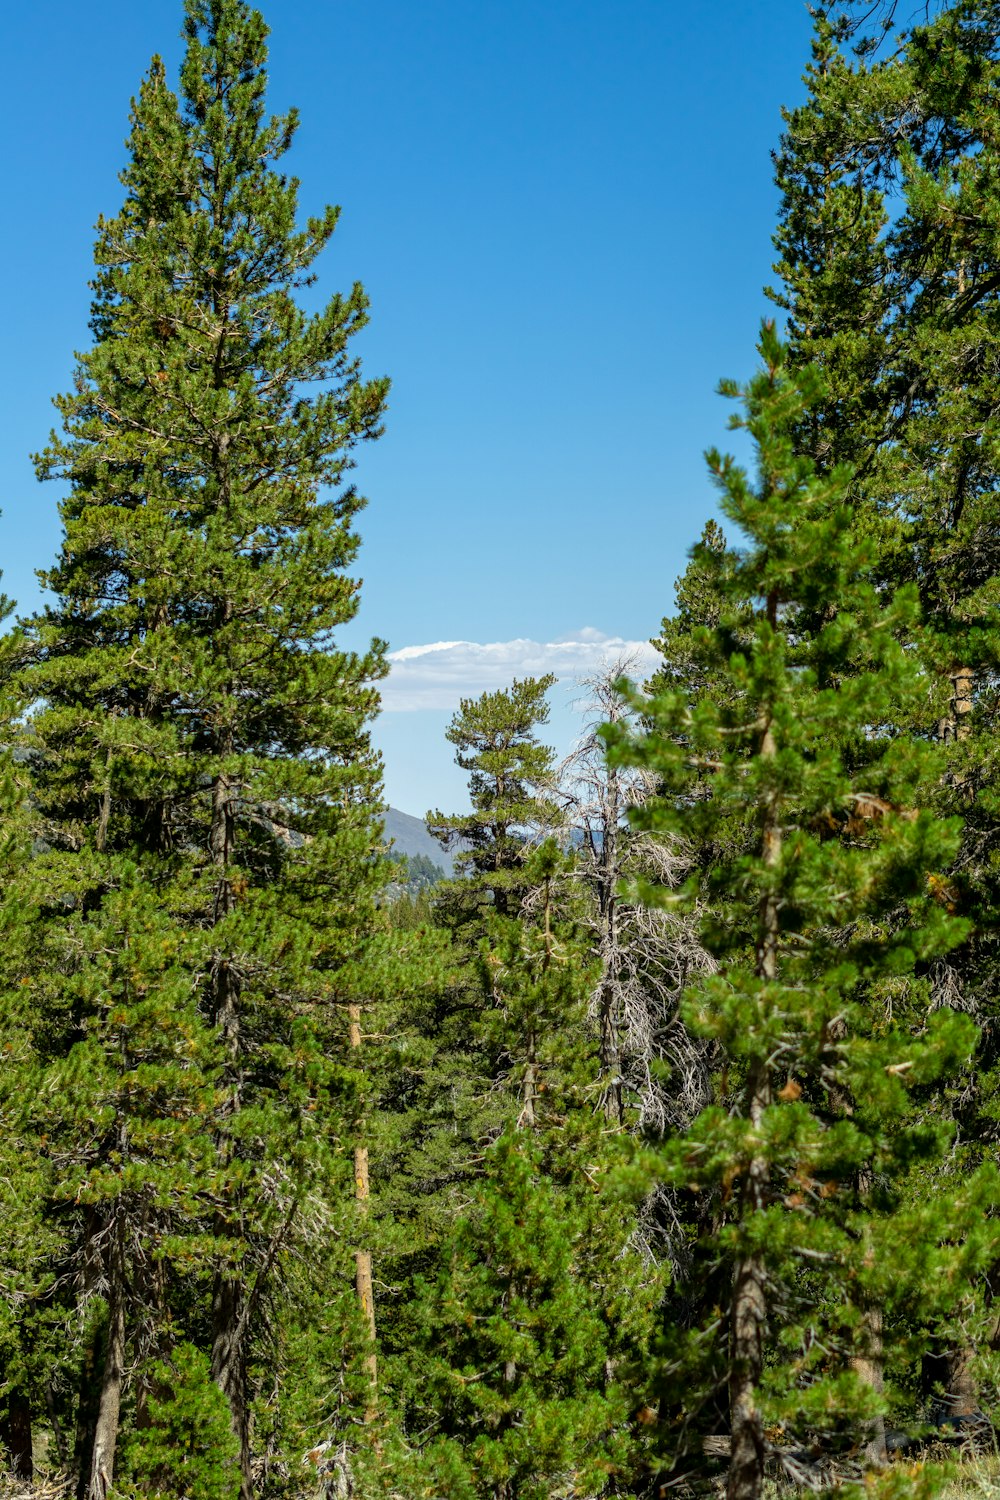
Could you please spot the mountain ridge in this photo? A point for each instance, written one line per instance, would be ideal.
(408, 835)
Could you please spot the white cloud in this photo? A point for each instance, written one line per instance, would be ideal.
(439, 674)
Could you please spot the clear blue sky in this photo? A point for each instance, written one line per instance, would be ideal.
(561, 211)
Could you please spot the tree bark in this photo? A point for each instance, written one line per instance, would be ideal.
(868, 1363)
(748, 1313)
(229, 1370)
(957, 726)
(868, 1366)
(229, 1366)
(102, 1462)
(87, 1400)
(86, 1417)
(363, 1255)
(962, 1396)
(16, 1434)
(529, 1086)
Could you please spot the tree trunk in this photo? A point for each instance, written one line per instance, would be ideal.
(962, 1397)
(87, 1401)
(15, 1431)
(748, 1322)
(529, 1087)
(609, 1016)
(58, 1433)
(229, 1366)
(86, 1417)
(957, 725)
(868, 1366)
(748, 1313)
(229, 1370)
(363, 1255)
(102, 1463)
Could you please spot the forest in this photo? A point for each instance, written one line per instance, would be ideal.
(650, 1152)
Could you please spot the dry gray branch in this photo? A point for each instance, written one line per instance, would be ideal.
(654, 1073)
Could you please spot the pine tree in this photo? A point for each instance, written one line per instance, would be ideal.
(510, 774)
(187, 1446)
(27, 1244)
(531, 1331)
(204, 782)
(823, 929)
(894, 294)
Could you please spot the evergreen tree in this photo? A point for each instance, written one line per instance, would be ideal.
(822, 930)
(204, 783)
(28, 1246)
(893, 294)
(531, 1335)
(510, 775)
(187, 1446)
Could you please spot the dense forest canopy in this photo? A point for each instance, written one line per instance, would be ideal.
(644, 1142)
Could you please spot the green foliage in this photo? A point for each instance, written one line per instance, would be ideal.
(822, 924)
(518, 1366)
(510, 776)
(204, 792)
(185, 1445)
(220, 1004)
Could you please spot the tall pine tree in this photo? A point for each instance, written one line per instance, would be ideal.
(823, 920)
(205, 786)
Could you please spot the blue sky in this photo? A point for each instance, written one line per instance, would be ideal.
(561, 211)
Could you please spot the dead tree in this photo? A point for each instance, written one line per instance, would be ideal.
(654, 1074)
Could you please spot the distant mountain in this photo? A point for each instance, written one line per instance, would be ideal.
(409, 836)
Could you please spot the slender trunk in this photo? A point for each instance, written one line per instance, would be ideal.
(868, 1366)
(15, 1431)
(748, 1315)
(529, 1086)
(505, 1488)
(748, 1323)
(611, 1065)
(86, 1416)
(962, 702)
(229, 1365)
(529, 1078)
(229, 1369)
(62, 1447)
(102, 1463)
(609, 1016)
(363, 1255)
(87, 1381)
(956, 725)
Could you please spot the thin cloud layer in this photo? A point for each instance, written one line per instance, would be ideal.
(439, 674)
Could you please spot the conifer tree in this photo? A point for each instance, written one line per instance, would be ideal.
(822, 927)
(510, 776)
(532, 1330)
(204, 785)
(28, 1245)
(893, 294)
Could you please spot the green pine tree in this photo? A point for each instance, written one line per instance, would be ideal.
(889, 180)
(186, 1445)
(204, 782)
(510, 778)
(819, 1153)
(531, 1332)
